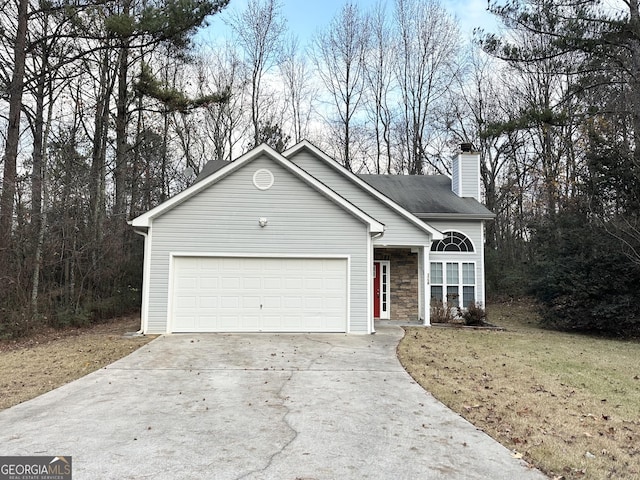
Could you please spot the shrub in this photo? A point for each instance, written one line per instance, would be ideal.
(14, 323)
(68, 316)
(583, 279)
(440, 313)
(473, 315)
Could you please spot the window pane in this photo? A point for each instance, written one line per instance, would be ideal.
(436, 294)
(453, 297)
(436, 273)
(468, 274)
(468, 296)
(453, 242)
(452, 274)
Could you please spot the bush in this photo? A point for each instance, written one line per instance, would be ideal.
(474, 315)
(582, 278)
(440, 313)
(68, 316)
(14, 323)
(506, 277)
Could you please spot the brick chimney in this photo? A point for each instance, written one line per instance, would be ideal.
(465, 181)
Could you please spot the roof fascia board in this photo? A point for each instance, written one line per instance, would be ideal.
(145, 219)
(457, 216)
(436, 234)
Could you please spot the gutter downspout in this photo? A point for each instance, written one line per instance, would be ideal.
(143, 310)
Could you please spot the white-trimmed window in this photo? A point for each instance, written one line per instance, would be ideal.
(453, 242)
(453, 283)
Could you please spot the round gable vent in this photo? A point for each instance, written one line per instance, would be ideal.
(263, 179)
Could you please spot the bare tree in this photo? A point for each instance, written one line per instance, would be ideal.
(259, 30)
(338, 54)
(426, 62)
(380, 83)
(295, 76)
(223, 71)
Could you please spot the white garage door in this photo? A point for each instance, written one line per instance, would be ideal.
(214, 294)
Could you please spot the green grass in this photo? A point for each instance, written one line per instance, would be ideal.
(570, 404)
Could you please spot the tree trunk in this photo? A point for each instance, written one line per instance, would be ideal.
(134, 208)
(98, 155)
(13, 135)
(41, 223)
(37, 156)
(119, 172)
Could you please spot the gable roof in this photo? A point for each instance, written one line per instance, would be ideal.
(428, 196)
(389, 202)
(212, 166)
(222, 171)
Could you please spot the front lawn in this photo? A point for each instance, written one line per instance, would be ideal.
(569, 404)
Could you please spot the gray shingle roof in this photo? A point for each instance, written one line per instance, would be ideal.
(211, 167)
(427, 196)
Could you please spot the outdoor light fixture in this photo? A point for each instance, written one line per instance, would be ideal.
(262, 222)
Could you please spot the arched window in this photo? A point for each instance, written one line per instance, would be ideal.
(453, 242)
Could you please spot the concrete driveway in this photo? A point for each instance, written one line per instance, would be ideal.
(257, 406)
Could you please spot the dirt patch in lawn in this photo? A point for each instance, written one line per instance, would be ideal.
(569, 404)
(32, 366)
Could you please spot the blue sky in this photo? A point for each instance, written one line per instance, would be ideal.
(304, 17)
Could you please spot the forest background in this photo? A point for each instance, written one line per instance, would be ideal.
(109, 107)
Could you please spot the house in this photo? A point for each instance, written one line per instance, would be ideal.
(294, 242)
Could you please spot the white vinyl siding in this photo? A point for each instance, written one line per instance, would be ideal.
(398, 230)
(455, 176)
(466, 175)
(224, 218)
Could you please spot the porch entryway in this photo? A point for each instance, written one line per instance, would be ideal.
(396, 284)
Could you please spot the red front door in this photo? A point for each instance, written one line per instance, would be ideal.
(376, 289)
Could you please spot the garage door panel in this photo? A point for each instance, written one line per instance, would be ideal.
(250, 302)
(274, 321)
(270, 302)
(225, 321)
(187, 302)
(209, 283)
(228, 282)
(252, 282)
(293, 322)
(314, 321)
(189, 282)
(313, 303)
(289, 302)
(313, 283)
(230, 302)
(333, 267)
(208, 301)
(273, 283)
(275, 265)
(229, 263)
(331, 300)
(249, 323)
(259, 294)
(292, 283)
